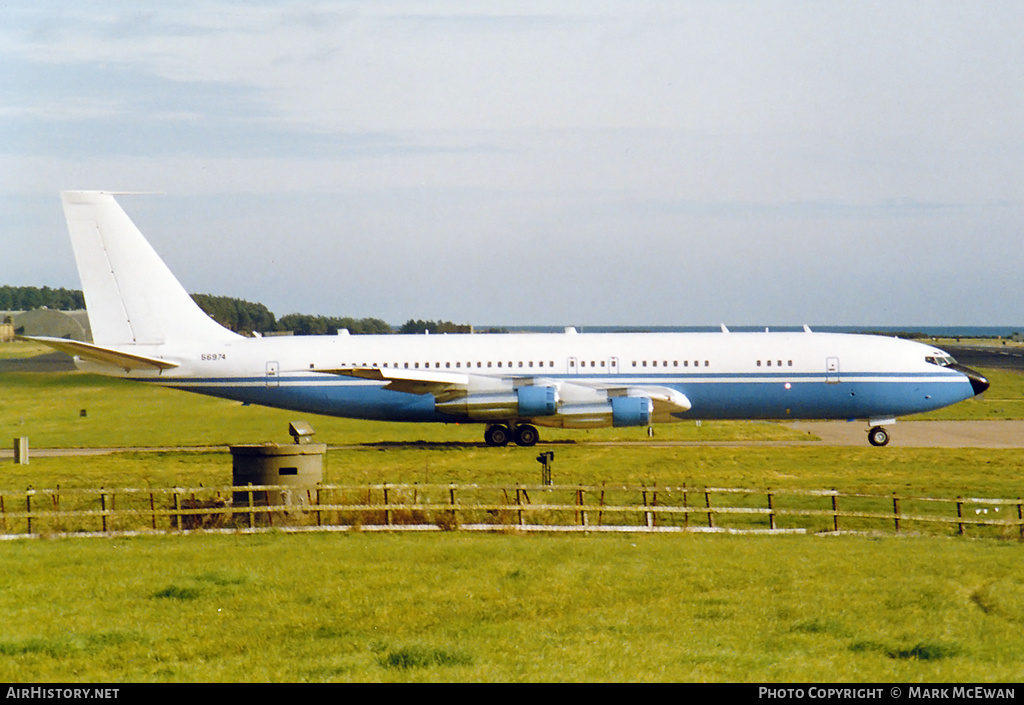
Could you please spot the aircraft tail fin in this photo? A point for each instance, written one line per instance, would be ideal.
(131, 295)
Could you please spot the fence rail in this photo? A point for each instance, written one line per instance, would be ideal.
(397, 507)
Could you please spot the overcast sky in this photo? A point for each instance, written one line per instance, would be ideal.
(561, 163)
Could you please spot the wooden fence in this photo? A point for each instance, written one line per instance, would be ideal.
(568, 508)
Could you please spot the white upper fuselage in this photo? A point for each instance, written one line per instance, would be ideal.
(724, 375)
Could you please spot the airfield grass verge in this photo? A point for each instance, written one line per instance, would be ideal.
(360, 607)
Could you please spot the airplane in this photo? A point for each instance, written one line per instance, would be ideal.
(147, 328)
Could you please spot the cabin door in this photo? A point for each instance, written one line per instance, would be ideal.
(273, 379)
(832, 370)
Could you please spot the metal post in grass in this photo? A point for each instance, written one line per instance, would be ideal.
(771, 510)
(28, 506)
(896, 510)
(387, 510)
(21, 451)
(960, 515)
(103, 510)
(1020, 517)
(707, 504)
(176, 506)
(152, 511)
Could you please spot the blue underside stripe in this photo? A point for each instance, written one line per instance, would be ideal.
(715, 397)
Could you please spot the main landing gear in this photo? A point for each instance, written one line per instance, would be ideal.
(878, 436)
(499, 435)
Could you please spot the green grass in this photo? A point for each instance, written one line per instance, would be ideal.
(359, 607)
(458, 607)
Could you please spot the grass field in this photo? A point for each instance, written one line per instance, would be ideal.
(359, 607)
(456, 607)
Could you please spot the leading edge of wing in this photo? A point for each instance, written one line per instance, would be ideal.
(409, 381)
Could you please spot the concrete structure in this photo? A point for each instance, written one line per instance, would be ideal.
(49, 322)
(294, 468)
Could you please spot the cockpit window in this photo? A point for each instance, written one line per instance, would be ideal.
(940, 360)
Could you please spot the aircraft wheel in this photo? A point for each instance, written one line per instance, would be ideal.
(496, 436)
(526, 435)
(878, 436)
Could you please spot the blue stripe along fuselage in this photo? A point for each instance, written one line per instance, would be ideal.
(721, 396)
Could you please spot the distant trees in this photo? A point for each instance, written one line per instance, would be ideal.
(26, 298)
(241, 316)
(418, 326)
(245, 317)
(302, 324)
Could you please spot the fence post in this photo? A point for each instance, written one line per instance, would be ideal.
(519, 503)
(582, 514)
(1020, 518)
(387, 511)
(103, 509)
(686, 507)
(647, 515)
(896, 510)
(707, 504)
(654, 503)
(835, 510)
(28, 506)
(252, 517)
(960, 515)
(451, 498)
(771, 510)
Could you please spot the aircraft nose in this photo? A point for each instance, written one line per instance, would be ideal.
(978, 381)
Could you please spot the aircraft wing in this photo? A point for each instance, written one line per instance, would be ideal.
(107, 356)
(437, 383)
(447, 386)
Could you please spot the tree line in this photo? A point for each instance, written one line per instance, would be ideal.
(238, 315)
(26, 298)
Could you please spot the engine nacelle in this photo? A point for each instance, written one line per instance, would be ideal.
(537, 401)
(615, 411)
(524, 402)
(631, 411)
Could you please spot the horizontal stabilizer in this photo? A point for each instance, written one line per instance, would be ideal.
(107, 356)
